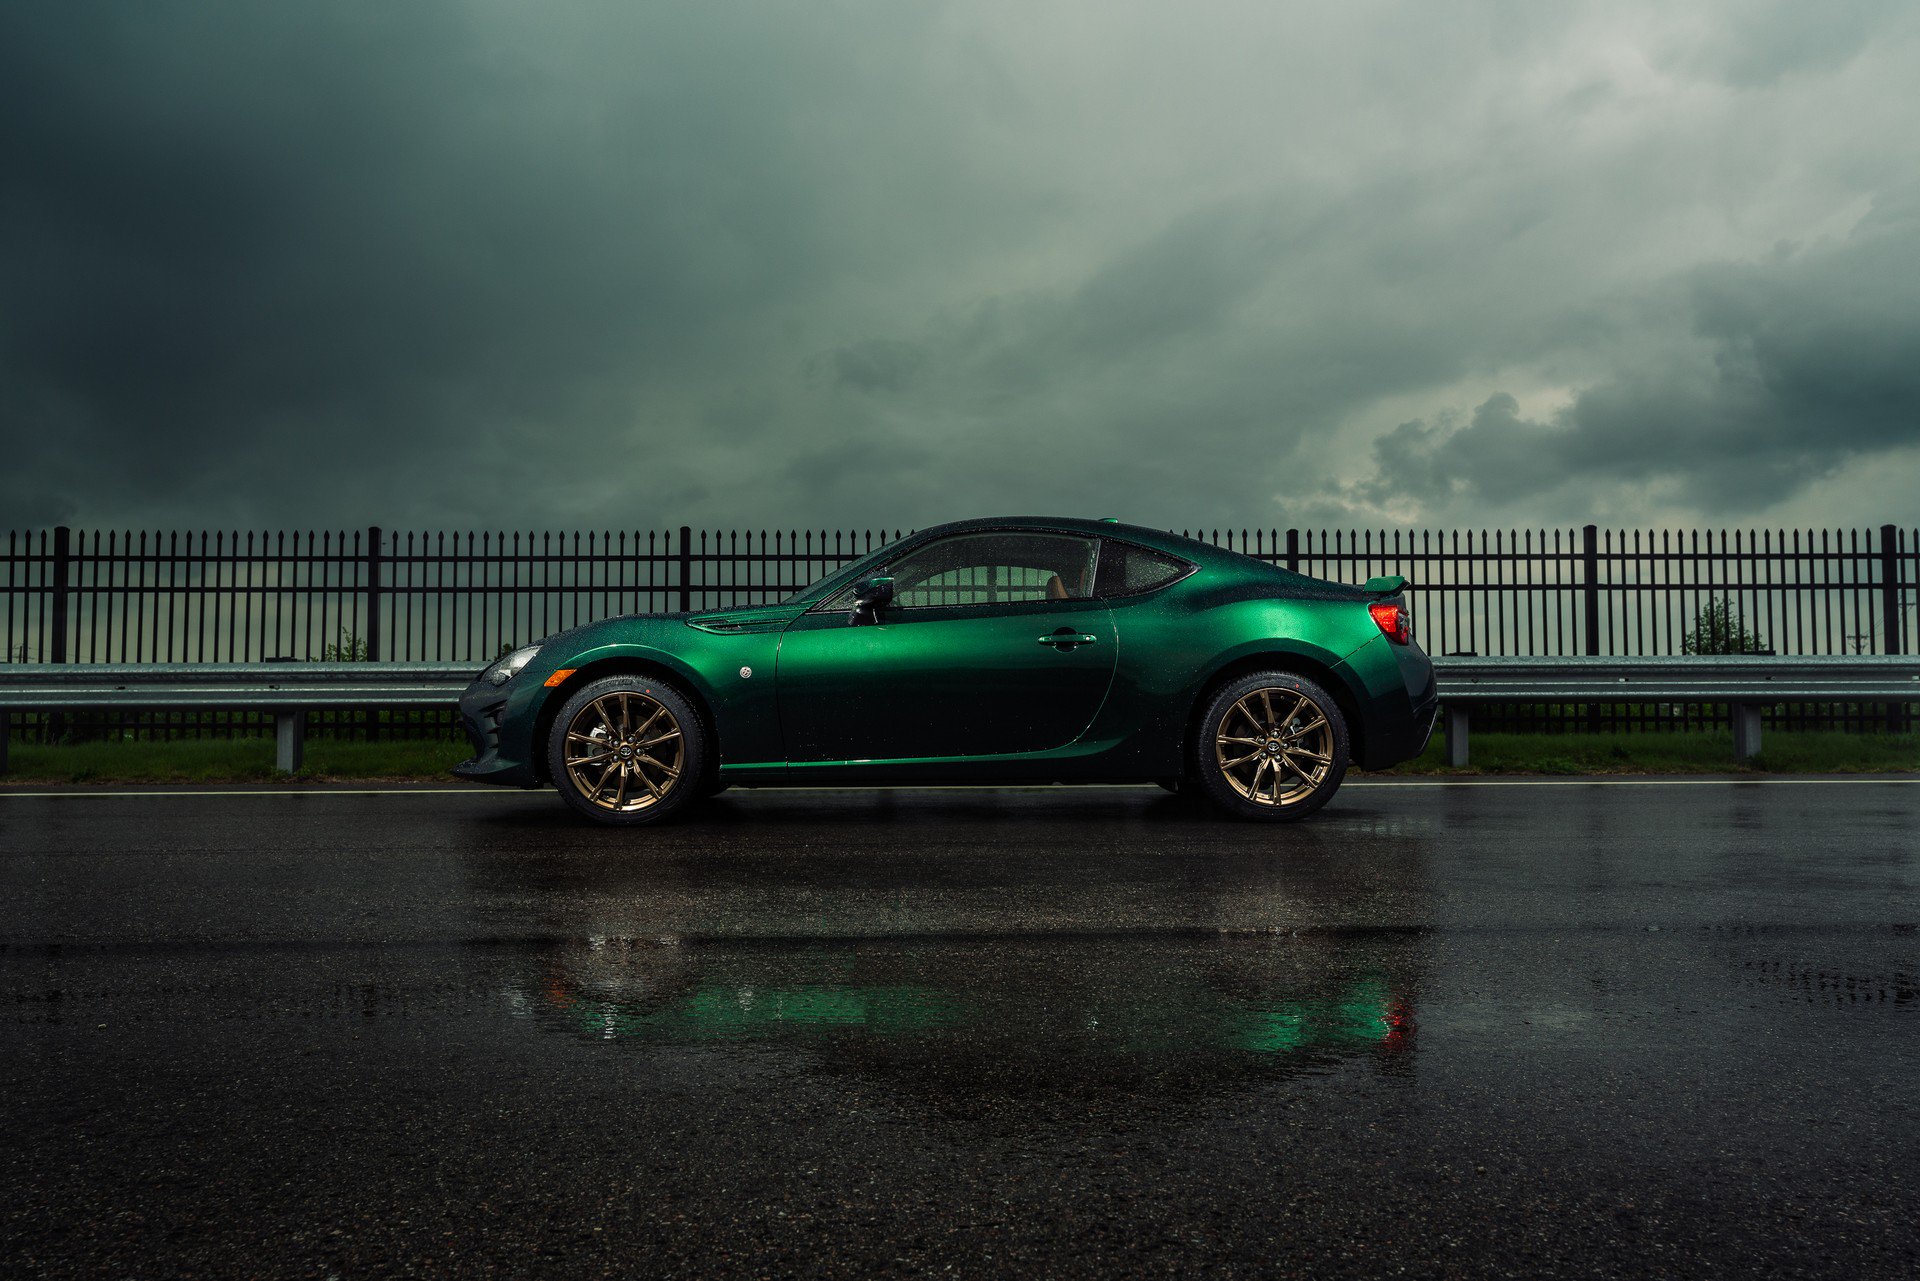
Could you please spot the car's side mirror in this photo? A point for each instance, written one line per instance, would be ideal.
(870, 596)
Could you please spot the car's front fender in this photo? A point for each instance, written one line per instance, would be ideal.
(730, 676)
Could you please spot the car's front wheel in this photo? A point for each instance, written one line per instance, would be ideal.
(1271, 746)
(627, 750)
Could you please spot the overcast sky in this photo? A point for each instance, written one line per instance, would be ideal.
(574, 265)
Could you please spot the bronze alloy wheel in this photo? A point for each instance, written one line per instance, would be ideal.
(628, 750)
(624, 751)
(1275, 747)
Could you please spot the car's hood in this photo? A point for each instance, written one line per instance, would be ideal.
(746, 618)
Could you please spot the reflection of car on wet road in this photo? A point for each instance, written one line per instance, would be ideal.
(990, 651)
(1046, 1020)
(1250, 995)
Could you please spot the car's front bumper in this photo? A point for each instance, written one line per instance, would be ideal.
(486, 716)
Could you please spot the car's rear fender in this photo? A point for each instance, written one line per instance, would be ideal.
(1320, 666)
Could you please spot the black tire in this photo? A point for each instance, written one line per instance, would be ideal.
(641, 779)
(1287, 770)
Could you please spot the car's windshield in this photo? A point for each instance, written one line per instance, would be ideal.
(843, 575)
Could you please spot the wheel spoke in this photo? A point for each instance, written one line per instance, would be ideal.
(1315, 757)
(620, 793)
(1305, 730)
(1243, 742)
(670, 771)
(647, 724)
(1266, 705)
(1306, 777)
(658, 738)
(1240, 760)
(600, 786)
(589, 760)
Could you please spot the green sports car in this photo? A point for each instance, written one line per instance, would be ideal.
(1017, 650)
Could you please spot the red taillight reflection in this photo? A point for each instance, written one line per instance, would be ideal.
(1393, 620)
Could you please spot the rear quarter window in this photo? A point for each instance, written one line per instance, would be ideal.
(1127, 570)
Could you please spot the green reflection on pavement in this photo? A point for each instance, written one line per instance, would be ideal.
(1361, 1015)
(725, 1011)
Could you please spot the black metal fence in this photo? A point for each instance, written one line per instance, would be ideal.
(223, 596)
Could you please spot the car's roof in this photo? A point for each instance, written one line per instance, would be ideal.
(1188, 548)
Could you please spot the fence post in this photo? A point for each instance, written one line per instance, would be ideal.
(1590, 593)
(1891, 642)
(1590, 584)
(369, 716)
(686, 569)
(373, 593)
(1293, 550)
(62, 576)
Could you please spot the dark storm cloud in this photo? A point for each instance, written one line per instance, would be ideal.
(1797, 365)
(497, 264)
(267, 248)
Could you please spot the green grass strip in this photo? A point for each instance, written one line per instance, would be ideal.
(250, 760)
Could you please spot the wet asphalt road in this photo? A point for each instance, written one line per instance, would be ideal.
(1521, 1030)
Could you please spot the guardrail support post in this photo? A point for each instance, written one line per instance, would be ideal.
(1456, 732)
(6, 731)
(289, 741)
(1746, 730)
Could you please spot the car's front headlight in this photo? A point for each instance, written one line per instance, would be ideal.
(505, 668)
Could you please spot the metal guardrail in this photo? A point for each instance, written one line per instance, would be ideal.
(1745, 684)
(289, 690)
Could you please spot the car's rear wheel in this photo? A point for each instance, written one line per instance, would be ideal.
(1272, 746)
(627, 750)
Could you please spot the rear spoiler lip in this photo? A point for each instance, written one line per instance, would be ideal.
(1387, 585)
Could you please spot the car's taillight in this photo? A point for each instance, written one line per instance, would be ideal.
(1393, 620)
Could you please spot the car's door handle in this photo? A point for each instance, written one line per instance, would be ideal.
(1064, 639)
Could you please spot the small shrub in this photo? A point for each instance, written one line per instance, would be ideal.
(351, 649)
(1717, 630)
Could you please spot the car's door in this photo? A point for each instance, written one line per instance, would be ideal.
(992, 644)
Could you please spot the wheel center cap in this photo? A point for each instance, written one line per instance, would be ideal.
(626, 753)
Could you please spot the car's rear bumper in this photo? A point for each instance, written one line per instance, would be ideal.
(1401, 702)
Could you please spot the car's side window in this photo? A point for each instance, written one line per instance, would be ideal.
(1128, 570)
(1001, 568)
